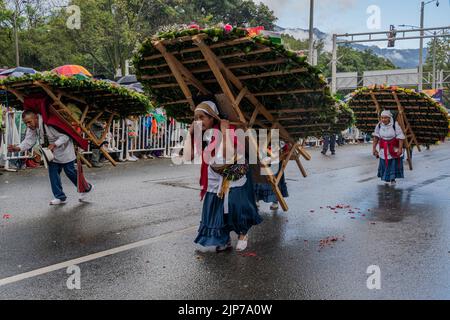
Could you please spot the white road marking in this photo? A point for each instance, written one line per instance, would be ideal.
(90, 257)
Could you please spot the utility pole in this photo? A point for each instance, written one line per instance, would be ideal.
(434, 61)
(311, 33)
(16, 33)
(334, 66)
(422, 12)
(422, 17)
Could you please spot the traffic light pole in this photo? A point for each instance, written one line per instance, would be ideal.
(369, 37)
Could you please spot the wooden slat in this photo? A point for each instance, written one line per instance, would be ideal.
(192, 61)
(276, 93)
(177, 73)
(214, 46)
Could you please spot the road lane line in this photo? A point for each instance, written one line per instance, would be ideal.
(90, 257)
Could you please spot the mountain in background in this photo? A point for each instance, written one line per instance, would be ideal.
(402, 58)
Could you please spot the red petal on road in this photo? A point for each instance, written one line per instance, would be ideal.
(249, 254)
(6, 216)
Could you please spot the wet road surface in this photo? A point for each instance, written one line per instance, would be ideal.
(342, 220)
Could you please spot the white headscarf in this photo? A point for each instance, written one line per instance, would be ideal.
(209, 108)
(387, 113)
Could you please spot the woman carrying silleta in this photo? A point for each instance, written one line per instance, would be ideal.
(389, 138)
(227, 190)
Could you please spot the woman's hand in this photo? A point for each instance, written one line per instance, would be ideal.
(376, 153)
(13, 148)
(224, 125)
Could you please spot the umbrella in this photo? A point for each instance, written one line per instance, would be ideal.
(136, 87)
(70, 70)
(17, 70)
(81, 76)
(129, 79)
(16, 74)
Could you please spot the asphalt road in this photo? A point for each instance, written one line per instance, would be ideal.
(342, 220)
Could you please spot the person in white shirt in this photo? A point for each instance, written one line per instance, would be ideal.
(389, 138)
(59, 144)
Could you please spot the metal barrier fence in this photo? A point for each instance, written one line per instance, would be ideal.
(121, 139)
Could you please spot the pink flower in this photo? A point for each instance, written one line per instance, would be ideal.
(228, 28)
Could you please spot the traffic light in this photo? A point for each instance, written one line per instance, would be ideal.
(392, 35)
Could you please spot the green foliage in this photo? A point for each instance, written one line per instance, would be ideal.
(293, 44)
(141, 104)
(440, 47)
(352, 60)
(110, 29)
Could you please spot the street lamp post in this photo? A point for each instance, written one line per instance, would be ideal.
(311, 32)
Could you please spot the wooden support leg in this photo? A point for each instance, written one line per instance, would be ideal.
(409, 157)
(300, 165)
(285, 162)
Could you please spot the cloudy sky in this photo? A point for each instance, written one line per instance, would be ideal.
(342, 16)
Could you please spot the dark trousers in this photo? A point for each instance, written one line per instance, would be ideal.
(54, 170)
(329, 141)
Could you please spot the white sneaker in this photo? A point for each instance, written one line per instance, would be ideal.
(274, 206)
(57, 202)
(131, 159)
(135, 158)
(242, 244)
(85, 195)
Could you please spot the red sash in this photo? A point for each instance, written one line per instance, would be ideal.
(388, 146)
(204, 167)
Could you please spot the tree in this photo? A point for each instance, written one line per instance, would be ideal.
(439, 52)
(352, 60)
(241, 13)
(110, 29)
